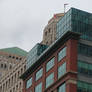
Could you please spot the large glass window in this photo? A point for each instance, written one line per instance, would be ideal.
(62, 88)
(84, 87)
(62, 70)
(50, 64)
(49, 80)
(76, 21)
(38, 88)
(29, 83)
(34, 53)
(62, 54)
(39, 74)
(85, 49)
(84, 68)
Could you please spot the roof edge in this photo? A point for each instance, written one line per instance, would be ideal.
(53, 47)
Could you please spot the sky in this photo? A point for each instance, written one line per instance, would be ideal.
(22, 21)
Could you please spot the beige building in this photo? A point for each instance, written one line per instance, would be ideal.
(49, 33)
(12, 65)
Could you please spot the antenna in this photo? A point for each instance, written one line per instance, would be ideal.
(65, 7)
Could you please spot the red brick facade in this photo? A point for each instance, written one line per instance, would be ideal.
(69, 77)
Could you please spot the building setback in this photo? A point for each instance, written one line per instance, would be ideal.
(66, 65)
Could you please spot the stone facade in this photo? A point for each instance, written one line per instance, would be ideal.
(49, 33)
(12, 65)
(8, 61)
(11, 82)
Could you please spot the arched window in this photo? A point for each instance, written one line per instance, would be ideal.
(5, 66)
(10, 66)
(13, 57)
(1, 65)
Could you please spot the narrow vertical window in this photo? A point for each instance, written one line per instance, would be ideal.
(62, 54)
(38, 88)
(84, 86)
(29, 83)
(49, 80)
(50, 64)
(62, 88)
(61, 70)
(39, 74)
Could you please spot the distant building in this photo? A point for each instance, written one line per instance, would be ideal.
(9, 57)
(49, 33)
(66, 65)
(12, 65)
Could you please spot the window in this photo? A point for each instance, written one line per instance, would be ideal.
(61, 70)
(47, 42)
(9, 56)
(18, 73)
(21, 70)
(84, 68)
(20, 58)
(38, 88)
(13, 57)
(16, 87)
(20, 84)
(62, 54)
(10, 66)
(62, 88)
(5, 66)
(29, 83)
(76, 21)
(1, 65)
(39, 74)
(49, 30)
(49, 80)
(50, 64)
(0, 74)
(84, 49)
(15, 78)
(84, 86)
(9, 83)
(45, 33)
(17, 58)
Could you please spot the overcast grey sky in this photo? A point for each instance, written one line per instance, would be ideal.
(22, 21)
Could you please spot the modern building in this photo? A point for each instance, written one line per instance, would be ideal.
(49, 33)
(12, 65)
(34, 53)
(66, 65)
(76, 21)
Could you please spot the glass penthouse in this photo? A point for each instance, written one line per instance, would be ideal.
(66, 65)
(34, 53)
(76, 21)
